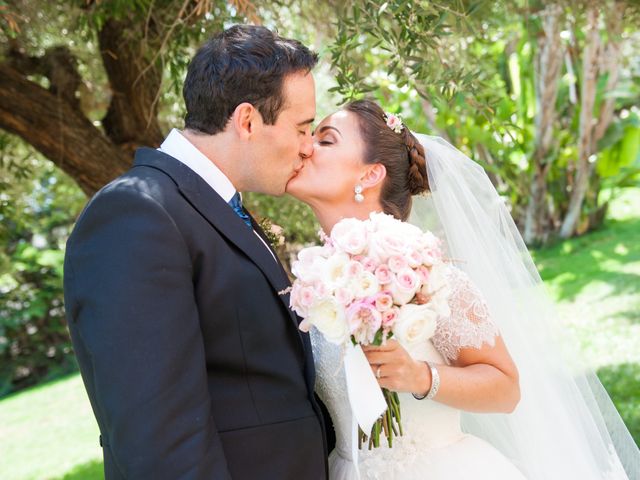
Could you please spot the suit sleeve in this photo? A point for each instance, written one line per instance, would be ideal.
(132, 311)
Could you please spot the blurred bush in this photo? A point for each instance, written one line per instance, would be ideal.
(36, 216)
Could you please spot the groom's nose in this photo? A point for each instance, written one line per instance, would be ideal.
(306, 149)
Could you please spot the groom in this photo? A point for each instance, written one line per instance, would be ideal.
(193, 363)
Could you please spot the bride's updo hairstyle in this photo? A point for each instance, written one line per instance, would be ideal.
(401, 154)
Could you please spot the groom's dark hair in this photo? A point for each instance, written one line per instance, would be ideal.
(245, 63)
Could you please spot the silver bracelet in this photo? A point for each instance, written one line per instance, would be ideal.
(435, 384)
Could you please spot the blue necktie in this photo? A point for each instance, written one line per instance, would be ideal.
(236, 204)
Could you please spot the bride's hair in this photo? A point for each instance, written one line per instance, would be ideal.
(401, 154)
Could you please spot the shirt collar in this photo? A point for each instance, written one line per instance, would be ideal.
(183, 150)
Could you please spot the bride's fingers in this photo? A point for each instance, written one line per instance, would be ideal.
(388, 347)
(378, 358)
(390, 383)
(378, 372)
(387, 370)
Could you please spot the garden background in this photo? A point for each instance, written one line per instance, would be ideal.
(544, 95)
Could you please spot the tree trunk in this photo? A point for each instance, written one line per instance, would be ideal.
(548, 69)
(132, 118)
(610, 67)
(584, 165)
(607, 61)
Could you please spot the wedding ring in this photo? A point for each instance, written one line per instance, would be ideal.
(378, 372)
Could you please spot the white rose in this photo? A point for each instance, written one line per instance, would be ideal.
(328, 316)
(350, 235)
(382, 221)
(439, 302)
(411, 232)
(335, 270)
(429, 241)
(309, 254)
(415, 323)
(438, 279)
(385, 244)
(308, 267)
(365, 285)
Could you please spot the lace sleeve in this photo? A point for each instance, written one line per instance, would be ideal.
(469, 324)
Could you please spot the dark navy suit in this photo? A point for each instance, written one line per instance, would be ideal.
(192, 360)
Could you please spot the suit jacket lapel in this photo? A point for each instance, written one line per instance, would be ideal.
(309, 365)
(222, 217)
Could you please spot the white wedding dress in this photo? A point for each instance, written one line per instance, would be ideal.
(433, 446)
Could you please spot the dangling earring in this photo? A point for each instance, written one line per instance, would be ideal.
(359, 197)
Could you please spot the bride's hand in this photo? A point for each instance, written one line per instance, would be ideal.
(396, 370)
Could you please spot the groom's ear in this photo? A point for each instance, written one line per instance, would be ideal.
(245, 119)
(373, 175)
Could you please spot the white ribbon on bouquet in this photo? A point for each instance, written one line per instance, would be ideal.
(365, 396)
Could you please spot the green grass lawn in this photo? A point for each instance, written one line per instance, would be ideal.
(595, 281)
(48, 432)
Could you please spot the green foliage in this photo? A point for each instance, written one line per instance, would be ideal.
(619, 162)
(36, 215)
(408, 42)
(295, 218)
(467, 71)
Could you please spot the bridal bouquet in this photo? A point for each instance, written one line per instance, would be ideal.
(369, 281)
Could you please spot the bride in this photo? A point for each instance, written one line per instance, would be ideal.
(489, 396)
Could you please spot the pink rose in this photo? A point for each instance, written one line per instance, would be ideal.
(343, 295)
(303, 296)
(429, 256)
(389, 318)
(320, 289)
(423, 274)
(404, 286)
(407, 279)
(397, 263)
(294, 300)
(307, 296)
(364, 321)
(383, 301)
(383, 274)
(369, 264)
(414, 259)
(354, 269)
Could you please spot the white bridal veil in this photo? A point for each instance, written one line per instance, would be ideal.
(565, 426)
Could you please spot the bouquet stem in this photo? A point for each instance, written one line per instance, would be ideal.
(389, 423)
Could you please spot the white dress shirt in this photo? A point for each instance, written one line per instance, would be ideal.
(183, 150)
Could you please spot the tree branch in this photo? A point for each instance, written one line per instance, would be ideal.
(59, 131)
(58, 64)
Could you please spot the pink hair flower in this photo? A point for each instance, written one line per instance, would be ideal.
(394, 122)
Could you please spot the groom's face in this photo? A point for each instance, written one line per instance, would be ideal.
(283, 145)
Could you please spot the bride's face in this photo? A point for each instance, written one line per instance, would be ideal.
(331, 173)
